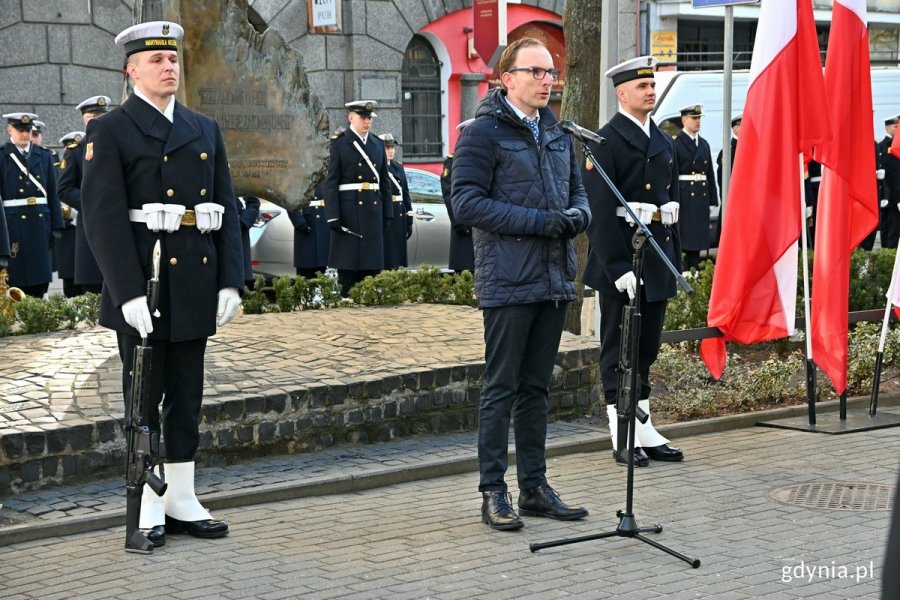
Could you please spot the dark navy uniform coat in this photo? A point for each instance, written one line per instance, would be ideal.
(397, 229)
(87, 272)
(311, 235)
(30, 227)
(644, 170)
(248, 210)
(695, 196)
(462, 249)
(134, 156)
(719, 162)
(362, 212)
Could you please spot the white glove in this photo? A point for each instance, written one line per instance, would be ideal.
(643, 210)
(209, 216)
(154, 215)
(628, 283)
(229, 302)
(173, 215)
(137, 314)
(669, 213)
(808, 211)
(879, 174)
(883, 203)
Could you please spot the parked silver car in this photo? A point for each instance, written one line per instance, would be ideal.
(272, 236)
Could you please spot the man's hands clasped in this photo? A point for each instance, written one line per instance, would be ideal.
(564, 223)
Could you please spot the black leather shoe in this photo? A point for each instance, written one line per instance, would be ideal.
(497, 510)
(207, 528)
(157, 535)
(543, 501)
(665, 453)
(640, 458)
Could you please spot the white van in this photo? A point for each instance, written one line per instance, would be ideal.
(675, 90)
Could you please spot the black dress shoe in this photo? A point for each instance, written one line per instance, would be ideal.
(156, 535)
(543, 501)
(640, 458)
(207, 528)
(497, 510)
(665, 453)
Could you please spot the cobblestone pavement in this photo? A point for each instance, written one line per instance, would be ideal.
(424, 539)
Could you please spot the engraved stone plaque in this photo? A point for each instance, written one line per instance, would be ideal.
(254, 85)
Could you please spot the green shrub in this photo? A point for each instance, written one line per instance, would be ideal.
(37, 315)
(87, 308)
(285, 297)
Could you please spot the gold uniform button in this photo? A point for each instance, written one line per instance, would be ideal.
(170, 192)
(166, 158)
(358, 164)
(205, 260)
(693, 194)
(24, 217)
(359, 176)
(647, 186)
(21, 177)
(375, 203)
(173, 261)
(21, 191)
(203, 192)
(203, 155)
(360, 202)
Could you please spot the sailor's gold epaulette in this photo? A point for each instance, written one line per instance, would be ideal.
(337, 135)
(72, 145)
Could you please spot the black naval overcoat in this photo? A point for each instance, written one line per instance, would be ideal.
(71, 168)
(396, 230)
(248, 211)
(644, 170)
(719, 162)
(695, 196)
(134, 156)
(312, 235)
(362, 211)
(29, 226)
(462, 248)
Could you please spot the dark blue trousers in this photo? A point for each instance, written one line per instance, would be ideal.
(521, 343)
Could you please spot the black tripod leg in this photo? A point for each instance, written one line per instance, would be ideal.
(585, 538)
(694, 562)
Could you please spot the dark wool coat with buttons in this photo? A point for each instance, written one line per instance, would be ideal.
(361, 211)
(70, 170)
(695, 196)
(134, 156)
(311, 235)
(503, 185)
(29, 226)
(644, 170)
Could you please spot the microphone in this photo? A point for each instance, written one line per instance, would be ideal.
(585, 135)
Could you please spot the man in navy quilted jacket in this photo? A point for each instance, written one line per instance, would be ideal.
(516, 182)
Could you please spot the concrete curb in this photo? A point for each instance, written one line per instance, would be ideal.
(389, 476)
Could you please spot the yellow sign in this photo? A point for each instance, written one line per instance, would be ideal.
(664, 45)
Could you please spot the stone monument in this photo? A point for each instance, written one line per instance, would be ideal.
(254, 85)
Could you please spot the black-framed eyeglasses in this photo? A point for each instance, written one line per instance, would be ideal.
(538, 72)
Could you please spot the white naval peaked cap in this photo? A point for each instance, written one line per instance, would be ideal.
(153, 35)
(362, 107)
(633, 68)
(38, 126)
(95, 104)
(72, 136)
(21, 120)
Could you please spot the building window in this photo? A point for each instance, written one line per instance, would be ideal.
(421, 81)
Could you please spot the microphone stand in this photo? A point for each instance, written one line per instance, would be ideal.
(626, 403)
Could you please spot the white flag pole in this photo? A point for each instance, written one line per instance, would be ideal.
(876, 380)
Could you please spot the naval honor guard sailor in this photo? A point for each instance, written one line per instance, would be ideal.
(640, 160)
(357, 198)
(157, 171)
(399, 229)
(696, 186)
(33, 213)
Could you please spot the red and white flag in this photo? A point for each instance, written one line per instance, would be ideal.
(754, 289)
(848, 198)
(895, 147)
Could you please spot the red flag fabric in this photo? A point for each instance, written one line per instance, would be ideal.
(895, 147)
(848, 199)
(754, 289)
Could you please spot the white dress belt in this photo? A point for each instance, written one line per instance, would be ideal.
(315, 203)
(397, 198)
(620, 212)
(692, 177)
(358, 187)
(24, 201)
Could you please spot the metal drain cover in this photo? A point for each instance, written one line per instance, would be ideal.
(837, 495)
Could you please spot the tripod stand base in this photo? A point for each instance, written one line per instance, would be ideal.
(629, 528)
(853, 423)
